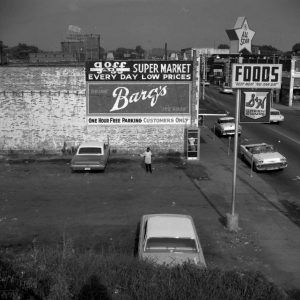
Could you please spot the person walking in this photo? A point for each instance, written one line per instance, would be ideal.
(148, 156)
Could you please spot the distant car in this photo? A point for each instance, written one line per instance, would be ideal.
(275, 116)
(262, 157)
(226, 126)
(91, 155)
(169, 239)
(226, 89)
(205, 83)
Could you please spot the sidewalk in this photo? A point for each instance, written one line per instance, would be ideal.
(260, 213)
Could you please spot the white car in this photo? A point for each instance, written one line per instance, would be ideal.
(275, 116)
(205, 83)
(226, 126)
(262, 157)
(226, 89)
(91, 155)
(169, 239)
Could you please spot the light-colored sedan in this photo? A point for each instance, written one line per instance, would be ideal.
(225, 126)
(226, 89)
(91, 156)
(169, 239)
(262, 157)
(275, 116)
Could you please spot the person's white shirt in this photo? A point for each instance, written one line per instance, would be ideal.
(147, 155)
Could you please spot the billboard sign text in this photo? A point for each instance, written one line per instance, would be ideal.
(257, 76)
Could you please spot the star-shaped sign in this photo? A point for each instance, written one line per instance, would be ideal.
(245, 36)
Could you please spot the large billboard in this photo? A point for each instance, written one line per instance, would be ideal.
(138, 92)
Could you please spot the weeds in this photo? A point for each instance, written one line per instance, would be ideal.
(64, 273)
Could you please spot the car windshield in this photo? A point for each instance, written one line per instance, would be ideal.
(226, 121)
(90, 150)
(275, 113)
(171, 245)
(262, 149)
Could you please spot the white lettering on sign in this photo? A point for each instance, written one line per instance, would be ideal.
(256, 76)
(123, 97)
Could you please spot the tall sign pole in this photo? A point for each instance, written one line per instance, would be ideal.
(236, 134)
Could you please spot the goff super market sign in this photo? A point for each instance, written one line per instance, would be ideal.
(138, 92)
(257, 76)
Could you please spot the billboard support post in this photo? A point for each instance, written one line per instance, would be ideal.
(232, 219)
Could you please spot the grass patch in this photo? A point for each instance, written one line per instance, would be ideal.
(63, 272)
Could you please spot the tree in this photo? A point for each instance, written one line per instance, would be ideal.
(268, 50)
(223, 46)
(22, 51)
(296, 48)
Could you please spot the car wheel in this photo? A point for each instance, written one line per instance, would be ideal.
(255, 168)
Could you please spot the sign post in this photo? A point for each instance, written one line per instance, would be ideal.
(255, 81)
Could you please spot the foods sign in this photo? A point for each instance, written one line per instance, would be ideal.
(257, 76)
(255, 106)
(138, 92)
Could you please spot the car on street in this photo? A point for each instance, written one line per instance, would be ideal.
(205, 83)
(262, 157)
(169, 239)
(91, 156)
(226, 89)
(275, 116)
(225, 126)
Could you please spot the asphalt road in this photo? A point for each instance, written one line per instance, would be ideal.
(285, 137)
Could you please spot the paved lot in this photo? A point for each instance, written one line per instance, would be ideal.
(44, 201)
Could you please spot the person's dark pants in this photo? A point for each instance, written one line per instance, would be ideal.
(148, 168)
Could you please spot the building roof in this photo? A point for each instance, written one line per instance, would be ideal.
(168, 225)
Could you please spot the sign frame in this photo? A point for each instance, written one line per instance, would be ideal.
(256, 103)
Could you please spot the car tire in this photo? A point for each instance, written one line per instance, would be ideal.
(255, 168)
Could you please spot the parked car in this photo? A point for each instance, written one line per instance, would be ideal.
(275, 116)
(169, 239)
(262, 157)
(91, 155)
(226, 89)
(226, 126)
(205, 83)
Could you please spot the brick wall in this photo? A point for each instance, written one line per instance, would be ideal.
(41, 108)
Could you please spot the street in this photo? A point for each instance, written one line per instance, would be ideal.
(285, 138)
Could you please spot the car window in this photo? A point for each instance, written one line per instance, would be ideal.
(275, 113)
(171, 245)
(90, 150)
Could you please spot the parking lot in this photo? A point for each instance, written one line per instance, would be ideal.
(43, 202)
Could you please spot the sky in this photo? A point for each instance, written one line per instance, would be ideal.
(149, 23)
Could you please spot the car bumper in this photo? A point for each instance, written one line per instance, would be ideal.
(87, 167)
(271, 167)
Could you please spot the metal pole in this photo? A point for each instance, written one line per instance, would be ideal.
(236, 134)
(198, 142)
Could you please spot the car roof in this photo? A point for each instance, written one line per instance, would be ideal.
(273, 109)
(226, 118)
(91, 144)
(170, 225)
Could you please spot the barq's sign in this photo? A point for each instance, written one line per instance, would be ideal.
(257, 76)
